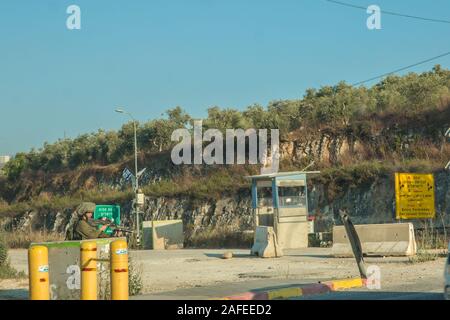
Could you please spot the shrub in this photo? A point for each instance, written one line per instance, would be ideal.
(6, 271)
(134, 278)
(3, 253)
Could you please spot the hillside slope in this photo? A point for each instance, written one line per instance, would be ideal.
(357, 138)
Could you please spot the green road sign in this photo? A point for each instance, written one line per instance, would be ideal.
(111, 212)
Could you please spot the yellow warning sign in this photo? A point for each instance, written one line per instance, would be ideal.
(414, 195)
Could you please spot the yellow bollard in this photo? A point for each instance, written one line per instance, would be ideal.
(119, 270)
(88, 260)
(38, 273)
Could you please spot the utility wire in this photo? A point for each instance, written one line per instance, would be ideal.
(402, 69)
(389, 12)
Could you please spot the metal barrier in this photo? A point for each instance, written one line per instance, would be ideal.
(88, 261)
(82, 275)
(38, 273)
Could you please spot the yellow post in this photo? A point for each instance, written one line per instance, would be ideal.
(88, 257)
(38, 273)
(119, 270)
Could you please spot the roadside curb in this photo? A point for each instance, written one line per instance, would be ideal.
(291, 292)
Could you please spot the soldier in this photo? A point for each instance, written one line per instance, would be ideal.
(83, 228)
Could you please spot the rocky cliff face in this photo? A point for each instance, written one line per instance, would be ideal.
(232, 211)
(372, 203)
(368, 202)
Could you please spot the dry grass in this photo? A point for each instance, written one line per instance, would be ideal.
(431, 244)
(423, 256)
(22, 240)
(8, 272)
(134, 278)
(48, 202)
(220, 237)
(428, 237)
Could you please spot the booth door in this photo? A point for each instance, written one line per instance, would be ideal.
(292, 225)
(292, 228)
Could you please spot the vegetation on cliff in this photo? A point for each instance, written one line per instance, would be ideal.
(352, 134)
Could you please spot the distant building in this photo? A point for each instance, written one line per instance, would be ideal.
(4, 160)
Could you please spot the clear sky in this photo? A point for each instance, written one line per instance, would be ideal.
(152, 55)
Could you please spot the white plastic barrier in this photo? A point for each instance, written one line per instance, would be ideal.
(391, 239)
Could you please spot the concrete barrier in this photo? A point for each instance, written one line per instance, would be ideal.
(266, 244)
(163, 234)
(391, 239)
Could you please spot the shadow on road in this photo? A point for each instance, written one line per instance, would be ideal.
(375, 295)
(235, 255)
(14, 294)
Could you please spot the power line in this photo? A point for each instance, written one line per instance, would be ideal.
(389, 12)
(402, 69)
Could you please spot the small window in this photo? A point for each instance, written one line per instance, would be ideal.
(292, 196)
(265, 197)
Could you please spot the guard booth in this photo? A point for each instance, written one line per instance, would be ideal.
(280, 200)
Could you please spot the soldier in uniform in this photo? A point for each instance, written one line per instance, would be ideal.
(84, 229)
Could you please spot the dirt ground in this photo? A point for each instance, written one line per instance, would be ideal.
(174, 269)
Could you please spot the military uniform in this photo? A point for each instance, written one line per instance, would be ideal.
(88, 231)
(82, 229)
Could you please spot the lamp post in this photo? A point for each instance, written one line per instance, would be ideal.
(136, 184)
(447, 134)
(120, 110)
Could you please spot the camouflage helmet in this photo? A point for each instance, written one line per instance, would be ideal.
(85, 207)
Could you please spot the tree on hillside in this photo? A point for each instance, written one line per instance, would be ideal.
(341, 107)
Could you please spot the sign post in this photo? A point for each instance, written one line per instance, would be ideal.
(414, 195)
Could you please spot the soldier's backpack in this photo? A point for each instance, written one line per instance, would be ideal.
(71, 234)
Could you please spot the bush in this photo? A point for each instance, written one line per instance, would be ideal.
(3, 253)
(423, 256)
(6, 271)
(135, 283)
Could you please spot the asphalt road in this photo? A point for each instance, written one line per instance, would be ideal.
(203, 274)
(429, 289)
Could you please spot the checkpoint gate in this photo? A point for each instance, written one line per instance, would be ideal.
(280, 200)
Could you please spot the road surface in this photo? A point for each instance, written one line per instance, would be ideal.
(426, 288)
(203, 274)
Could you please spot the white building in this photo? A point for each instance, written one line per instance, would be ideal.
(4, 160)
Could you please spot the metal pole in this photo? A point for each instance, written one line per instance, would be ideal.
(135, 156)
(447, 134)
(136, 185)
(88, 257)
(355, 243)
(138, 236)
(119, 270)
(39, 288)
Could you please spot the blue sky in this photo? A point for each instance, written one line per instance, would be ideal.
(153, 55)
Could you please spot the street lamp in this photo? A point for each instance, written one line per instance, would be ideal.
(447, 134)
(136, 185)
(120, 110)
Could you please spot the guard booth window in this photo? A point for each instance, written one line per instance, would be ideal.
(265, 197)
(292, 196)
